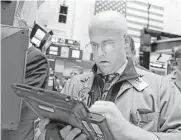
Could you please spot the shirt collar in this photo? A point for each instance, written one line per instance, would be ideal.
(176, 74)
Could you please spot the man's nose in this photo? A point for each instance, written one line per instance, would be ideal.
(100, 51)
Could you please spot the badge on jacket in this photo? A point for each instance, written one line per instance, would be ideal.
(139, 83)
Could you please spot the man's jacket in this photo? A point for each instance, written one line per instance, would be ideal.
(143, 98)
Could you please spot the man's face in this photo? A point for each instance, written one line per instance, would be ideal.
(179, 63)
(108, 60)
(75, 72)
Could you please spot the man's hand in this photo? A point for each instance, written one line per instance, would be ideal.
(69, 133)
(116, 121)
(40, 130)
(118, 125)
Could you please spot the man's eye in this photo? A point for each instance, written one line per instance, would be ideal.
(94, 45)
(109, 42)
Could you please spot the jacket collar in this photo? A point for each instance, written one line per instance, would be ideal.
(128, 74)
(176, 74)
(177, 78)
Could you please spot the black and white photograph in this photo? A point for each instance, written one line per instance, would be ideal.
(90, 70)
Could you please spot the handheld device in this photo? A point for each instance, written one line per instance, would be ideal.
(64, 109)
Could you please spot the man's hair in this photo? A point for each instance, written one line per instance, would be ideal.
(79, 68)
(178, 53)
(130, 41)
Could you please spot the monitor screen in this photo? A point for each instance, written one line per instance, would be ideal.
(70, 41)
(52, 48)
(64, 52)
(39, 34)
(75, 53)
(36, 41)
(53, 53)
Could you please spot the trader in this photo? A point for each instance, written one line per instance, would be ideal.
(175, 76)
(138, 105)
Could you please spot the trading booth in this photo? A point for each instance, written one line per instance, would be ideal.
(156, 50)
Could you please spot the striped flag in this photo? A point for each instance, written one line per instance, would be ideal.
(105, 5)
(136, 13)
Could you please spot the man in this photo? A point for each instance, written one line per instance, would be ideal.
(76, 70)
(131, 51)
(175, 76)
(142, 106)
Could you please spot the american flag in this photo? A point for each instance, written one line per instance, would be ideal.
(105, 5)
(136, 13)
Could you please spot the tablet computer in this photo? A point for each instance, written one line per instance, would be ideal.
(64, 109)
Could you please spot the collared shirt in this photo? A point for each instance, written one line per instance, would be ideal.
(176, 77)
(179, 73)
(108, 83)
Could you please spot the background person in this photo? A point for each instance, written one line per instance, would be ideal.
(76, 70)
(131, 51)
(175, 76)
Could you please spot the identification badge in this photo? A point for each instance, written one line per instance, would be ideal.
(139, 84)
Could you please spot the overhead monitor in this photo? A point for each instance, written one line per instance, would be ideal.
(76, 54)
(36, 41)
(53, 50)
(64, 52)
(70, 42)
(37, 35)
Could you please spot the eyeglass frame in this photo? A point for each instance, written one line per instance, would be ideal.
(102, 45)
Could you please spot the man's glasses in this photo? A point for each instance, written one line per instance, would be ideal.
(106, 46)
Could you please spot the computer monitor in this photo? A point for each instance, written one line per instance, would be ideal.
(76, 54)
(37, 35)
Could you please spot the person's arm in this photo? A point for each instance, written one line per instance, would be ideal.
(170, 119)
(37, 71)
(66, 133)
(170, 112)
(118, 125)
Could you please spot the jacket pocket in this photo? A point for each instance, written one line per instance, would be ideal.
(145, 119)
